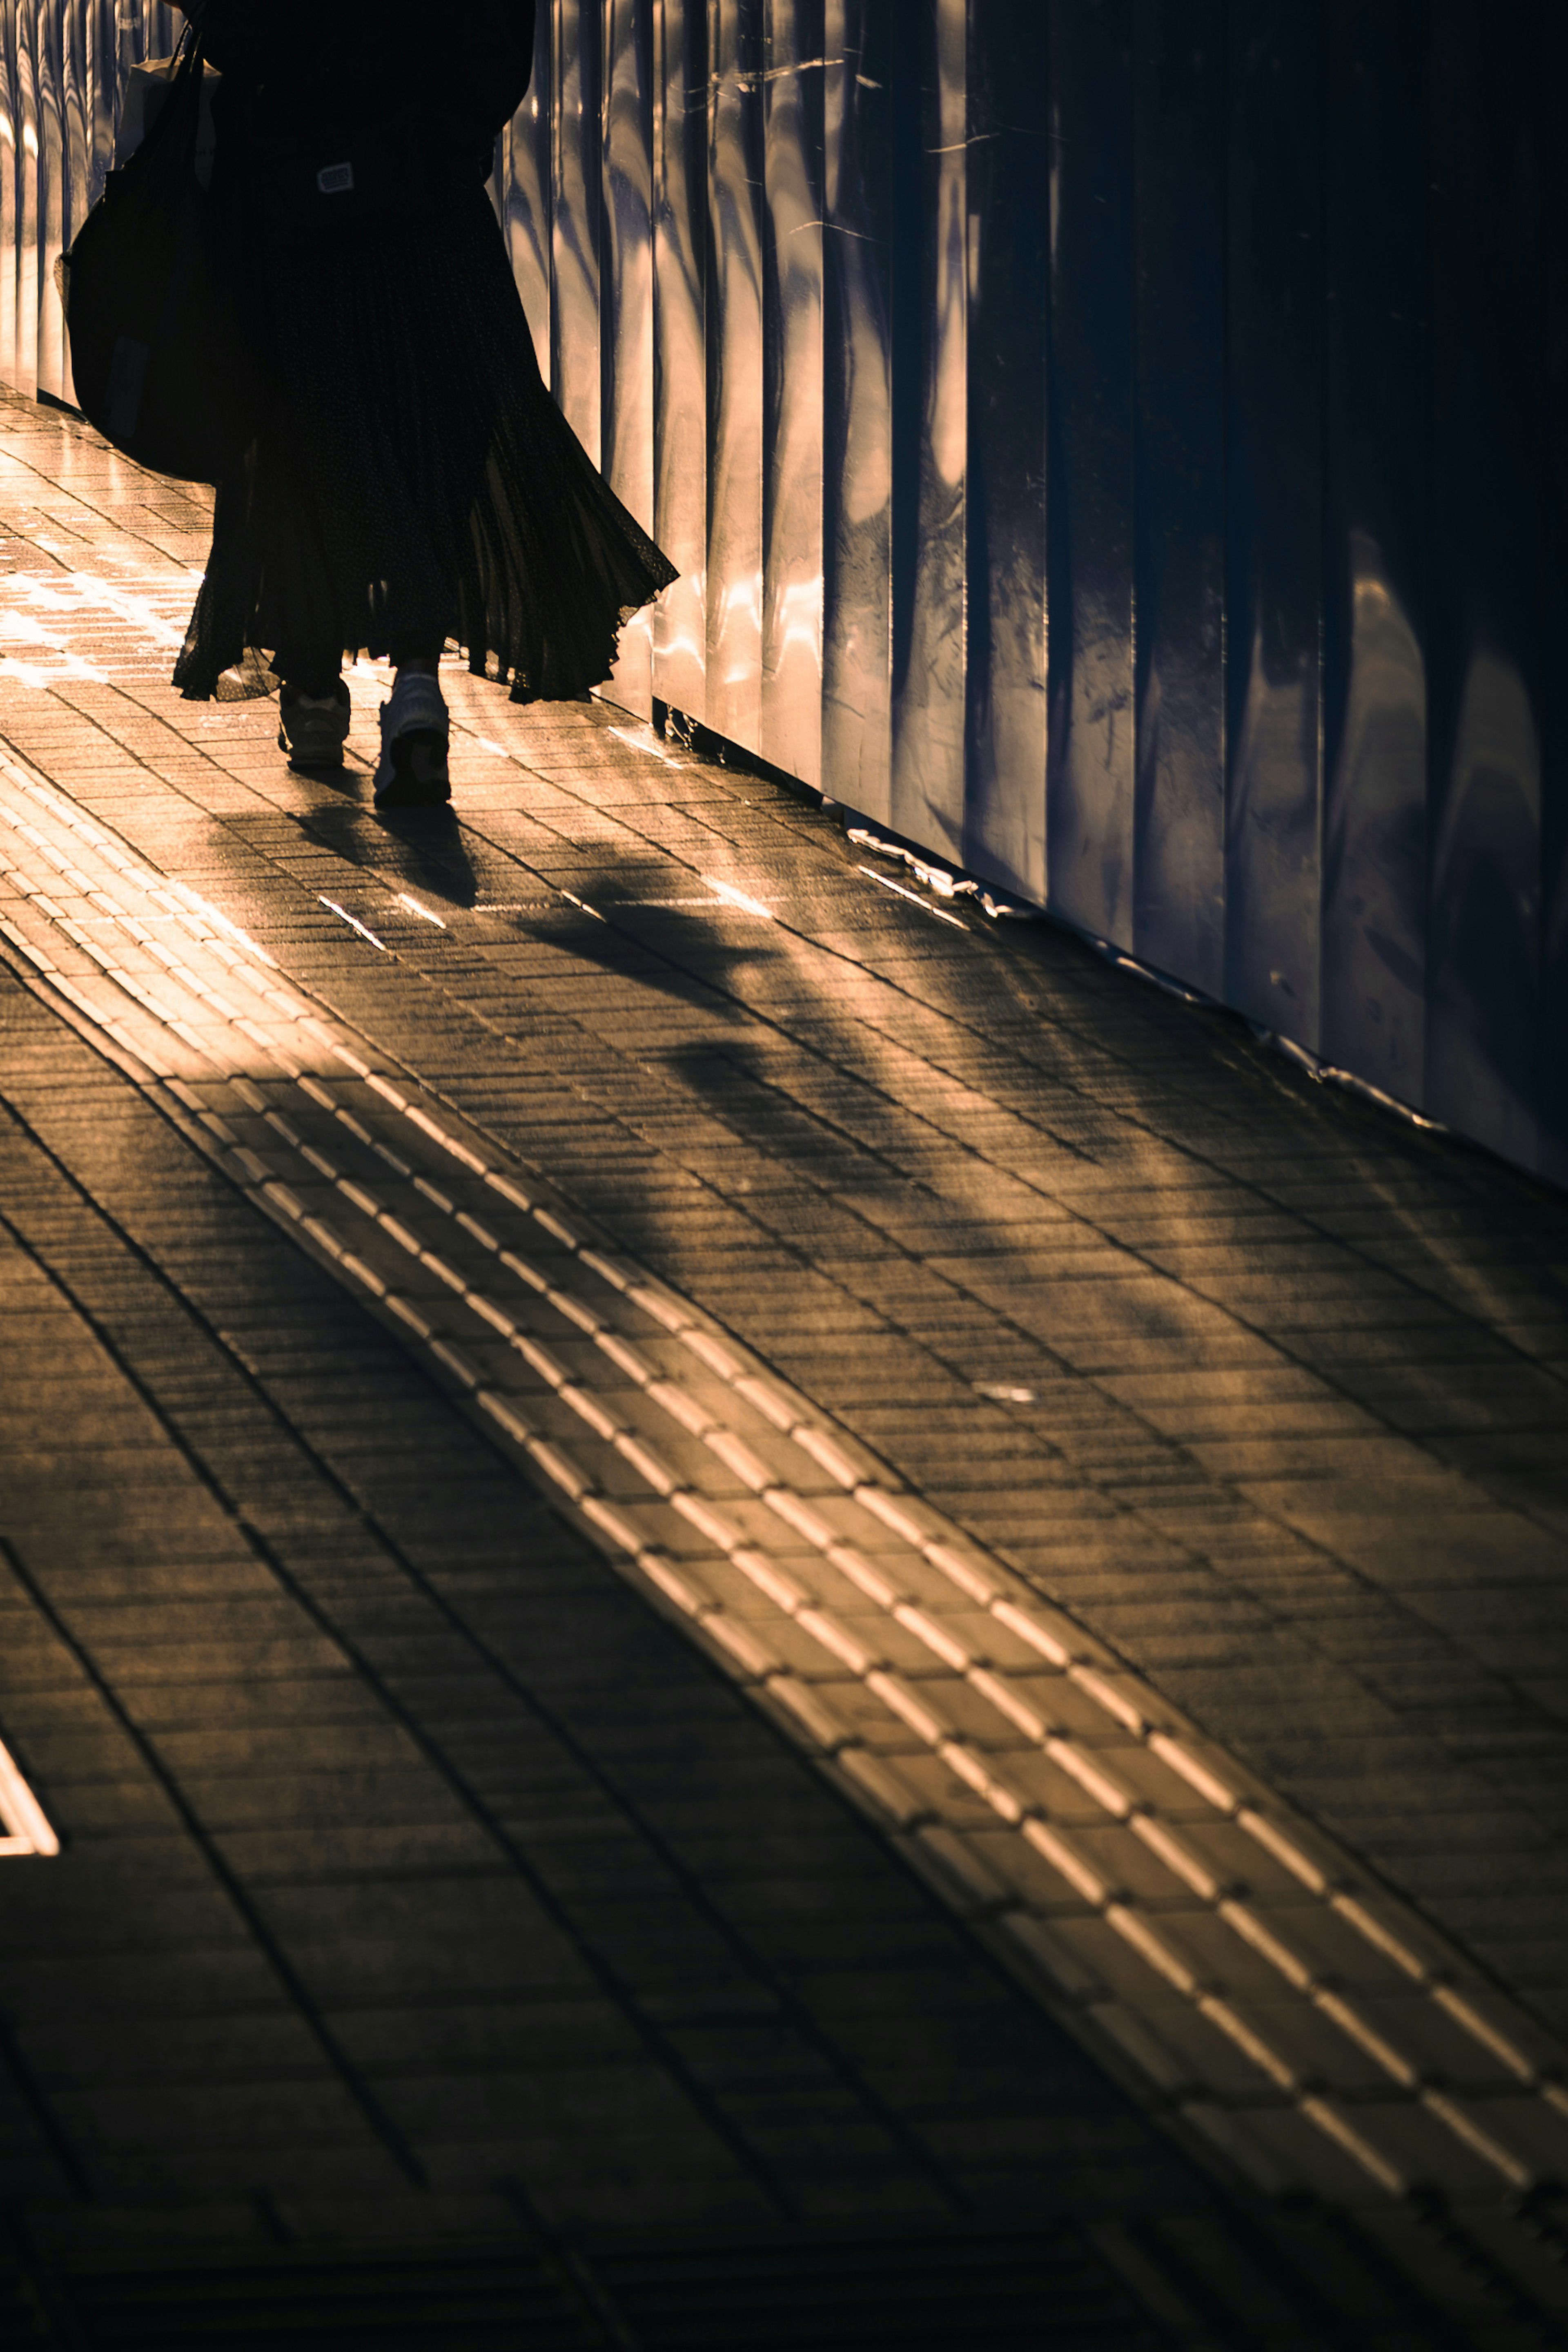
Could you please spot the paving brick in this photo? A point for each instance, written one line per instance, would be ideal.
(1290, 1441)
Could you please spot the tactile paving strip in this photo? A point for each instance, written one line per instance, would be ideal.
(1302, 2018)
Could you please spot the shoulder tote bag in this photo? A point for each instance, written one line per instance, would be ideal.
(157, 354)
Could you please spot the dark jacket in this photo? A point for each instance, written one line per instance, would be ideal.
(464, 64)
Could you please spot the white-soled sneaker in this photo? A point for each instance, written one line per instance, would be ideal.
(314, 728)
(416, 733)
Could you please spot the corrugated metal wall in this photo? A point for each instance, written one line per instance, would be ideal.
(1118, 444)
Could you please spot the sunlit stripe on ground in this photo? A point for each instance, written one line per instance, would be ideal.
(25, 1825)
(1068, 1803)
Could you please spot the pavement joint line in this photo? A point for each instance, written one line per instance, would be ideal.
(1013, 1807)
(753, 1657)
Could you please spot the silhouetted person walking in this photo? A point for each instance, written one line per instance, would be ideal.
(410, 481)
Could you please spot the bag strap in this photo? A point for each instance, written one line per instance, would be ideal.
(171, 140)
(189, 59)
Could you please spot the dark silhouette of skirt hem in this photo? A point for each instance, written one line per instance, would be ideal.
(414, 485)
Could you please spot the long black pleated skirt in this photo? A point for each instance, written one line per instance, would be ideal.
(412, 483)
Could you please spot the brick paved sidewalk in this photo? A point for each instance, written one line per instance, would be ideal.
(1266, 1391)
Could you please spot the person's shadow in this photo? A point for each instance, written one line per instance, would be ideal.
(423, 847)
(429, 849)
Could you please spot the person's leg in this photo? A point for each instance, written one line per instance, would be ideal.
(312, 675)
(416, 731)
(314, 707)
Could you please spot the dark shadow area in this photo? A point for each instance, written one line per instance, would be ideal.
(985, 2291)
(578, 2010)
(423, 847)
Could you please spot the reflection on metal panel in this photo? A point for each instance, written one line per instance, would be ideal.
(30, 186)
(1274, 516)
(1120, 446)
(1486, 908)
(1089, 814)
(680, 348)
(577, 222)
(857, 397)
(1553, 164)
(735, 371)
(627, 333)
(1008, 209)
(54, 185)
(1376, 587)
(1489, 667)
(524, 188)
(931, 418)
(793, 101)
(1179, 496)
(11, 172)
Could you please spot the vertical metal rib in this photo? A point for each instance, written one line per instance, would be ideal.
(11, 25)
(25, 122)
(680, 356)
(794, 66)
(1179, 97)
(54, 226)
(526, 195)
(575, 222)
(1274, 517)
(931, 425)
(1092, 709)
(1007, 208)
(735, 382)
(1494, 716)
(1377, 587)
(627, 331)
(857, 433)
